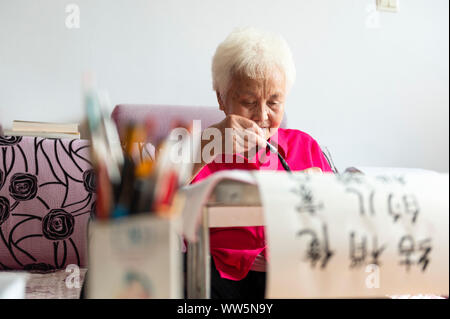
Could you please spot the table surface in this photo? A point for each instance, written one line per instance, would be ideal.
(52, 285)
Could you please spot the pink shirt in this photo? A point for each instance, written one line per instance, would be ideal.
(234, 249)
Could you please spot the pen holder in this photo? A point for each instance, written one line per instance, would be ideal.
(136, 257)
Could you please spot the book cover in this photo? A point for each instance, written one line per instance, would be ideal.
(42, 134)
(31, 126)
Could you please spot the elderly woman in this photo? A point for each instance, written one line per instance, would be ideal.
(252, 74)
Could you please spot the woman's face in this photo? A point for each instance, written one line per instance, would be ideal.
(260, 100)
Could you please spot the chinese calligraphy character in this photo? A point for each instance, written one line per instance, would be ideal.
(358, 251)
(407, 247)
(316, 251)
(406, 204)
(362, 205)
(308, 203)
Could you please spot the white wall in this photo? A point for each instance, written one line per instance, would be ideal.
(375, 96)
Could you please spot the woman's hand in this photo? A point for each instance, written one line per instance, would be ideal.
(234, 134)
(239, 134)
(312, 170)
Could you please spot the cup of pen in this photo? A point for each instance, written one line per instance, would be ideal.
(134, 242)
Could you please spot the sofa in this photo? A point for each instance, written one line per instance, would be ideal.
(47, 195)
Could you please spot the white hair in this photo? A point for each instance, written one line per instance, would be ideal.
(253, 53)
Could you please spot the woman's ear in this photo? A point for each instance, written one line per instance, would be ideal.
(220, 101)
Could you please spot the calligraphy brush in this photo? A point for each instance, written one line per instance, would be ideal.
(282, 160)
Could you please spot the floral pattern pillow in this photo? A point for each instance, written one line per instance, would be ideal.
(47, 196)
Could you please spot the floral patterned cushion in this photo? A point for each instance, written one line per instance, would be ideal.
(47, 195)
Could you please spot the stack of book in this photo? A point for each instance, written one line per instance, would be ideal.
(44, 129)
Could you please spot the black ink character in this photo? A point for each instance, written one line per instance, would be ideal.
(407, 205)
(407, 247)
(362, 205)
(316, 251)
(376, 252)
(425, 247)
(359, 251)
(307, 200)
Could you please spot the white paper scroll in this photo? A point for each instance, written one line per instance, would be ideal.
(356, 236)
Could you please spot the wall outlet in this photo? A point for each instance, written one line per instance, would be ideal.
(387, 5)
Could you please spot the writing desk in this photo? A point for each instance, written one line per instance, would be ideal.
(232, 204)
